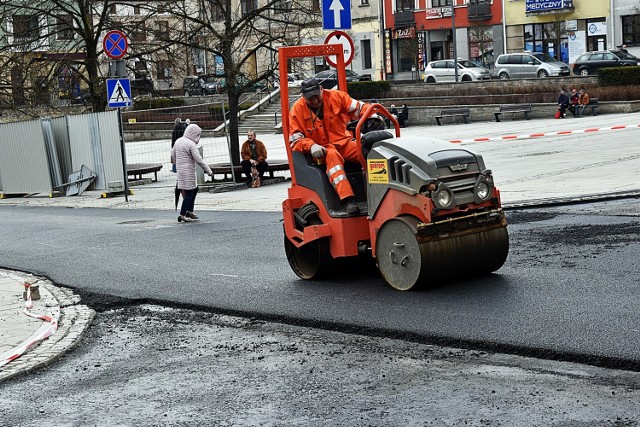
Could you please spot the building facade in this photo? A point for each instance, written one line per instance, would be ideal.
(561, 28)
(419, 31)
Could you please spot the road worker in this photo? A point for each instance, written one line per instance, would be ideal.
(318, 125)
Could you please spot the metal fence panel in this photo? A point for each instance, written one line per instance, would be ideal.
(52, 154)
(111, 150)
(61, 136)
(95, 142)
(24, 166)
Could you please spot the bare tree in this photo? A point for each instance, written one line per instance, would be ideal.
(46, 43)
(243, 33)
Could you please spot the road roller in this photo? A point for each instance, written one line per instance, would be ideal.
(429, 210)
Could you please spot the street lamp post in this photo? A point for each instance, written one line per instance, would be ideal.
(453, 38)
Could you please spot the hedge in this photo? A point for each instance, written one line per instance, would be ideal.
(153, 103)
(368, 89)
(619, 76)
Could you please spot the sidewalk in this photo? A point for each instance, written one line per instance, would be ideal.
(534, 162)
(37, 336)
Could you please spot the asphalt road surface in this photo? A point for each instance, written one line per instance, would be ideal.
(568, 291)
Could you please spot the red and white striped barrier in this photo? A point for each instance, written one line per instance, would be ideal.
(42, 333)
(540, 135)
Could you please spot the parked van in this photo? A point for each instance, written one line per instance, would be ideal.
(528, 65)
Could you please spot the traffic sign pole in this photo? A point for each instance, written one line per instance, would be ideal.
(115, 46)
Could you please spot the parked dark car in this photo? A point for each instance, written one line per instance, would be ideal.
(329, 78)
(192, 85)
(590, 62)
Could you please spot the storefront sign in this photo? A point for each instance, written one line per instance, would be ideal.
(422, 60)
(597, 28)
(548, 5)
(387, 52)
(404, 33)
(438, 12)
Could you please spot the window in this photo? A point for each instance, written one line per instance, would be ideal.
(163, 70)
(139, 32)
(315, 5)
(365, 48)
(364, 2)
(163, 30)
(631, 29)
(112, 9)
(405, 5)
(440, 3)
(248, 6)
(136, 10)
(64, 27)
(25, 27)
(140, 70)
(217, 13)
(282, 5)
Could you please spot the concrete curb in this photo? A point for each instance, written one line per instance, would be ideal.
(73, 322)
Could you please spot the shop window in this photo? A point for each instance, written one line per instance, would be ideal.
(631, 30)
(406, 54)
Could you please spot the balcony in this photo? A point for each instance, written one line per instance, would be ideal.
(404, 18)
(479, 11)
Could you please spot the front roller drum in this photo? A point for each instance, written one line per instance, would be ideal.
(406, 264)
(309, 261)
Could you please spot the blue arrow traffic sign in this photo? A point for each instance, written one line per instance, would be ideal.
(118, 93)
(336, 14)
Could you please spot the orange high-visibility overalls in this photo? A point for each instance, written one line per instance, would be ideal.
(330, 131)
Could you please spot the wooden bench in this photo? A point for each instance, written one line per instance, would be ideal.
(513, 108)
(138, 169)
(225, 168)
(453, 112)
(593, 104)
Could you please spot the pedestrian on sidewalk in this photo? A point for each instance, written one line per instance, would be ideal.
(178, 131)
(185, 155)
(254, 160)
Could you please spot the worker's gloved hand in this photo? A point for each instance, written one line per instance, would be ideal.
(318, 151)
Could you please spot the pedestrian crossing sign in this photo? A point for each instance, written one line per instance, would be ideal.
(118, 93)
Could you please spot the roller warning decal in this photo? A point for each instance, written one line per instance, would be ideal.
(377, 171)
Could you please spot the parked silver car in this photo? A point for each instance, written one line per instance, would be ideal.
(528, 65)
(445, 71)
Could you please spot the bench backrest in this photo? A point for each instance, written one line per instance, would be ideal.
(593, 101)
(464, 111)
(517, 107)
